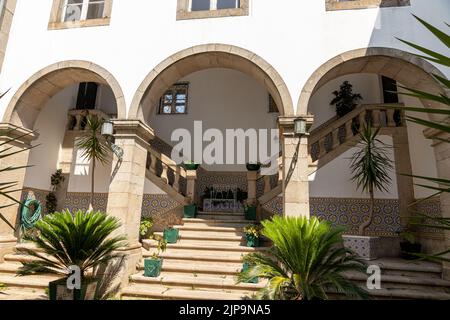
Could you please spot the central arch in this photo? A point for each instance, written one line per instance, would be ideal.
(204, 57)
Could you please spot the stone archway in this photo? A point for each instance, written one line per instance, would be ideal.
(208, 56)
(27, 102)
(404, 67)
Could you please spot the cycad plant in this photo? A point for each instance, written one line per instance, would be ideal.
(65, 240)
(307, 260)
(371, 167)
(94, 146)
(441, 126)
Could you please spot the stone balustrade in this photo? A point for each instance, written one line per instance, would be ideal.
(77, 119)
(328, 138)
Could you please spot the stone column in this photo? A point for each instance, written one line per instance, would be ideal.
(405, 184)
(127, 187)
(442, 153)
(9, 219)
(295, 169)
(252, 177)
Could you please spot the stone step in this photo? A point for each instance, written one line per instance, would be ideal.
(204, 268)
(401, 282)
(228, 214)
(207, 236)
(238, 223)
(221, 217)
(161, 292)
(408, 294)
(189, 255)
(22, 294)
(9, 267)
(190, 281)
(225, 230)
(29, 282)
(394, 266)
(202, 246)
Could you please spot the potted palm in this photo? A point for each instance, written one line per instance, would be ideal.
(153, 265)
(345, 100)
(252, 234)
(82, 240)
(307, 257)
(94, 147)
(371, 167)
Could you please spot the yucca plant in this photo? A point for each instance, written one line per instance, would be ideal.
(306, 261)
(94, 146)
(83, 239)
(443, 126)
(371, 167)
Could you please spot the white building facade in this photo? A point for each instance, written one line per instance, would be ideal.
(248, 64)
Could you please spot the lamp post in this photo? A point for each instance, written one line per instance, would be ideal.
(108, 133)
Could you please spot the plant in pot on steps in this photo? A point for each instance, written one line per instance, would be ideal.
(153, 265)
(82, 241)
(171, 235)
(252, 235)
(410, 247)
(345, 100)
(190, 211)
(145, 227)
(250, 211)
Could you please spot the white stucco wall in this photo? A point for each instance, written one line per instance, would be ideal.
(368, 85)
(295, 37)
(222, 99)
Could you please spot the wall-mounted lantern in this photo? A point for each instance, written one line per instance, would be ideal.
(108, 133)
(301, 127)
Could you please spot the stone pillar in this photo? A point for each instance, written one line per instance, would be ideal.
(127, 187)
(442, 153)
(191, 177)
(9, 219)
(405, 184)
(295, 169)
(252, 177)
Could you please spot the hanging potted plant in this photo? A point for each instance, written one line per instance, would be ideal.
(252, 235)
(171, 235)
(58, 237)
(345, 100)
(153, 265)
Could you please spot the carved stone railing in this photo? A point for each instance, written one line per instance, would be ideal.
(171, 177)
(326, 140)
(76, 120)
(271, 189)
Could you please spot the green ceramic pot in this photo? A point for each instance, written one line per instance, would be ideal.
(250, 213)
(190, 211)
(152, 267)
(171, 235)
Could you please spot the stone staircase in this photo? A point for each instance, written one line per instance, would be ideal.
(203, 264)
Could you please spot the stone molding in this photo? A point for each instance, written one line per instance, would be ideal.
(402, 66)
(5, 26)
(30, 98)
(203, 57)
(333, 5)
(184, 13)
(55, 22)
(133, 129)
(23, 135)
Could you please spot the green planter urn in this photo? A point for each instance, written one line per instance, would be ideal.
(171, 235)
(191, 166)
(152, 267)
(250, 213)
(253, 166)
(252, 241)
(245, 268)
(190, 211)
(58, 290)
